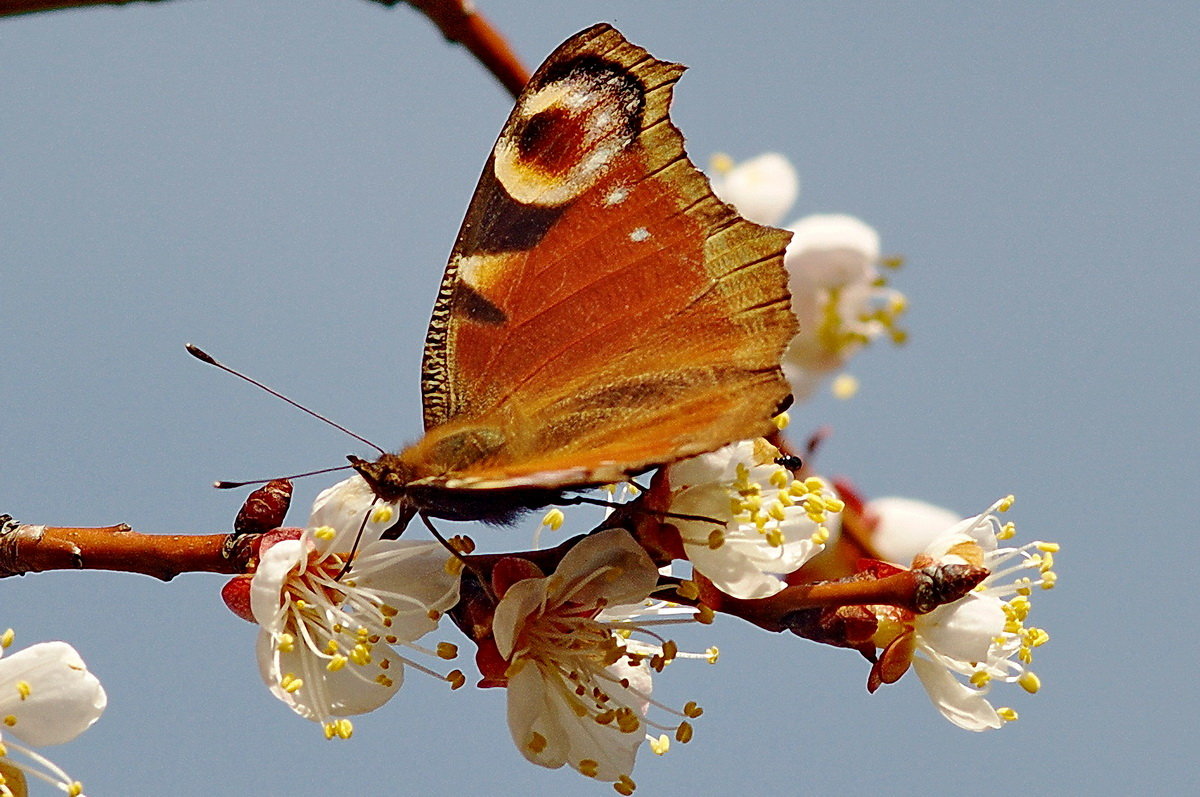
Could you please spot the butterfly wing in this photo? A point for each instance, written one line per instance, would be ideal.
(602, 312)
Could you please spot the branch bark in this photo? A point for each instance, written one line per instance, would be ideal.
(458, 21)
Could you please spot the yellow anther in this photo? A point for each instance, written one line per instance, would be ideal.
(660, 745)
(453, 566)
(75, 789)
(775, 538)
(1005, 503)
(1007, 714)
(980, 678)
(834, 505)
(589, 767)
(820, 536)
(712, 654)
(536, 743)
(684, 733)
(10, 720)
(1036, 637)
(330, 730)
(780, 478)
(554, 519)
(1030, 682)
(345, 728)
(285, 643)
(688, 590)
(814, 484)
(384, 681)
(628, 722)
(782, 420)
(1048, 547)
(1025, 654)
(1049, 579)
(447, 650)
(1007, 531)
(6, 638)
(775, 510)
(383, 514)
(720, 163)
(336, 663)
(360, 655)
(290, 683)
(624, 786)
(325, 533)
(844, 387)
(24, 689)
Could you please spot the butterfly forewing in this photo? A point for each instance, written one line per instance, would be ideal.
(602, 312)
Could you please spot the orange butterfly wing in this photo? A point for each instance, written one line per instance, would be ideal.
(602, 312)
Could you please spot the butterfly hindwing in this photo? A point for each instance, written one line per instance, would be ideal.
(602, 312)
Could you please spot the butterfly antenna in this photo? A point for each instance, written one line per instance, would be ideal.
(357, 539)
(234, 485)
(205, 357)
(575, 500)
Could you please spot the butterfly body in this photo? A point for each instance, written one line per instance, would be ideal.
(602, 312)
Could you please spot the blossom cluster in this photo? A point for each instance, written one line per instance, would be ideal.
(47, 697)
(573, 633)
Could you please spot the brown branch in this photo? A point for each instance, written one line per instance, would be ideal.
(11, 8)
(31, 549)
(458, 21)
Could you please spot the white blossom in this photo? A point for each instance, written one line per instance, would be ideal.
(762, 189)
(579, 685)
(47, 696)
(964, 647)
(769, 523)
(330, 621)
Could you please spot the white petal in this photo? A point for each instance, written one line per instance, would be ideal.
(521, 600)
(412, 578)
(832, 250)
(965, 707)
(963, 630)
(716, 467)
(907, 527)
(64, 698)
(536, 705)
(324, 694)
(762, 188)
(276, 563)
(608, 565)
(732, 572)
(344, 507)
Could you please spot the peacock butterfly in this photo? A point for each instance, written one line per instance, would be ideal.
(602, 313)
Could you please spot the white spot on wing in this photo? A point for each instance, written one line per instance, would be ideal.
(639, 235)
(616, 196)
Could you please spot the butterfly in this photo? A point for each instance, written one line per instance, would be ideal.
(602, 312)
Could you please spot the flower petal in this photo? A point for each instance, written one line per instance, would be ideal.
(63, 698)
(906, 527)
(965, 707)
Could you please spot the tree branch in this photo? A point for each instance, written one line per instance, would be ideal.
(26, 548)
(458, 21)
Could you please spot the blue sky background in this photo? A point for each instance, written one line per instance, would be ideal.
(280, 182)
